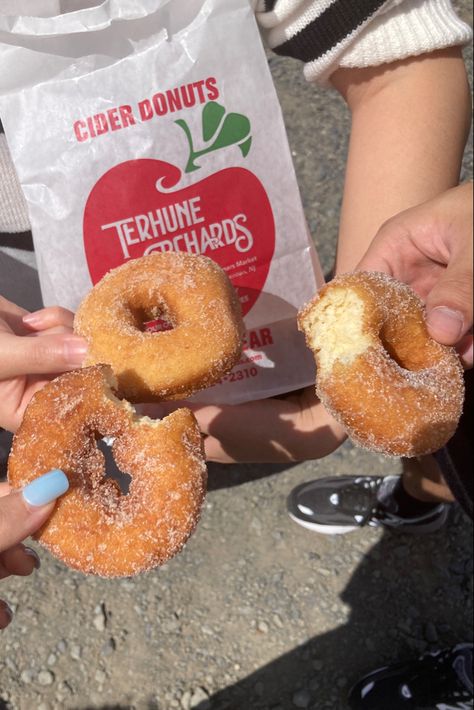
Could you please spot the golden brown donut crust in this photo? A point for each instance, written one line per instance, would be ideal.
(393, 388)
(191, 292)
(94, 528)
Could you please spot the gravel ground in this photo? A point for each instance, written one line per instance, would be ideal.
(256, 613)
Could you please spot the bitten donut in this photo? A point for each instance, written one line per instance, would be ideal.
(393, 388)
(95, 528)
(190, 292)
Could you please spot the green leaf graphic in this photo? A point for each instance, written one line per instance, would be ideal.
(235, 128)
(212, 115)
(245, 146)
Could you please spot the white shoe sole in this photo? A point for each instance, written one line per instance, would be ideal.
(325, 529)
(404, 528)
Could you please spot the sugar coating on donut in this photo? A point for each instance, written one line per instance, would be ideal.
(393, 388)
(194, 295)
(94, 527)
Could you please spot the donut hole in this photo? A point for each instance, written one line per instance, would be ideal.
(152, 320)
(112, 471)
(408, 347)
(394, 352)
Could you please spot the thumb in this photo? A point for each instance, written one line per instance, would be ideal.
(40, 355)
(23, 512)
(449, 303)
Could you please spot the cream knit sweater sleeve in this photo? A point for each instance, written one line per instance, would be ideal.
(328, 34)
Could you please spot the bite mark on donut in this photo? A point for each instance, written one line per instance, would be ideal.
(335, 329)
(94, 527)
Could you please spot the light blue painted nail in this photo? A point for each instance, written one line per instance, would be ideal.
(46, 488)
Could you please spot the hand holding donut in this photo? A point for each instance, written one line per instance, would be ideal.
(22, 513)
(96, 528)
(429, 247)
(33, 348)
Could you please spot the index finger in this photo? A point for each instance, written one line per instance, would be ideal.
(13, 316)
(49, 318)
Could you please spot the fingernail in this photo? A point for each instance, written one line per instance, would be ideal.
(6, 609)
(468, 355)
(33, 318)
(445, 324)
(75, 350)
(32, 553)
(46, 488)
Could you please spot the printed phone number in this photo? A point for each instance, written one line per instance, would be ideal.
(244, 374)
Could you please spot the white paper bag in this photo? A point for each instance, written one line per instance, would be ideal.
(143, 125)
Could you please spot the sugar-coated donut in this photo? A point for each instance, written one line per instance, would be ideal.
(194, 295)
(393, 388)
(94, 528)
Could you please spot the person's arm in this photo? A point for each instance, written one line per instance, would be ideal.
(274, 430)
(410, 121)
(409, 127)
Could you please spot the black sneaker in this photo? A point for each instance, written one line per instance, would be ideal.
(436, 681)
(338, 505)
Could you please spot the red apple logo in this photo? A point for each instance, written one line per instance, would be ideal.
(136, 208)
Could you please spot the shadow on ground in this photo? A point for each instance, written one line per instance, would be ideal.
(230, 475)
(403, 583)
(380, 599)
